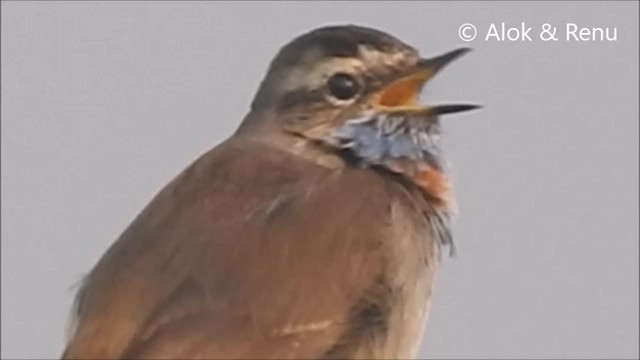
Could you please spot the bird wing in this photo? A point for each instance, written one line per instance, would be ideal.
(251, 252)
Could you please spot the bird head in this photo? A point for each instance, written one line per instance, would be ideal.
(355, 90)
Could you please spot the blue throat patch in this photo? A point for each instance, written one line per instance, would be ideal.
(379, 138)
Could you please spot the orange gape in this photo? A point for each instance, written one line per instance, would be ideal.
(403, 92)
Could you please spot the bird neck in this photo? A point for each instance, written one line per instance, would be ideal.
(401, 145)
(263, 127)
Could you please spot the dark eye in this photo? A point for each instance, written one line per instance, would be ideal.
(343, 86)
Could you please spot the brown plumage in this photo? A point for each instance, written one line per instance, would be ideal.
(287, 240)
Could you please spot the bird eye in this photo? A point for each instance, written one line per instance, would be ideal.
(343, 86)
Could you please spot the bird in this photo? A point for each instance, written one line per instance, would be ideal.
(314, 231)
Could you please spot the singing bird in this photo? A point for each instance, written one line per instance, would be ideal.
(313, 232)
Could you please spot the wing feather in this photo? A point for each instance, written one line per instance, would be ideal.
(249, 253)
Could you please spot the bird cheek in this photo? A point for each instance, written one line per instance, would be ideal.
(309, 126)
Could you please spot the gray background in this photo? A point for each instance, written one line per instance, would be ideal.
(103, 103)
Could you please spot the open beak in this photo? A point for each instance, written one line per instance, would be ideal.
(401, 94)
